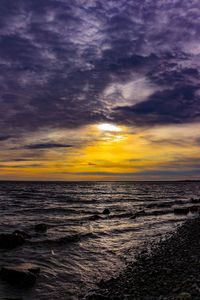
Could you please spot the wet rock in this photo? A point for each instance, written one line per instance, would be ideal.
(97, 297)
(140, 213)
(192, 200)
(94, 218)
(101, 283)
(22, 233)
(124, 215)
(165, 204)
(9, 241)
(133, 217)
(106, 211)
(166, 270)
(193, 208)
(181, 211)
(11, 298)
(40, 227)
(184, 295)
(22, 275)
(159, 212)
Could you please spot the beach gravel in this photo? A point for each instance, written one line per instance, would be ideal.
(168, 270)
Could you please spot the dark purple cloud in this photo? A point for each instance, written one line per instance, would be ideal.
(57, 59)
(21, 166)
(4, 138)
(46, 146)
(171, 106)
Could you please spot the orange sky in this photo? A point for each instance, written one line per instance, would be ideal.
(106, 152)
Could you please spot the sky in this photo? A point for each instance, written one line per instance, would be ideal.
(99, 90)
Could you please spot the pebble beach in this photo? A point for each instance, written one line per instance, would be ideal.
(167, 270)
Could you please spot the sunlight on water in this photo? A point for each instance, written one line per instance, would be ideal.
(84, 244)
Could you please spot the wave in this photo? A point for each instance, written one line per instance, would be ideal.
(167, 204)
(64, 240)
(53, 210)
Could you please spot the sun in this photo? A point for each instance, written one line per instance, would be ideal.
(108, 127)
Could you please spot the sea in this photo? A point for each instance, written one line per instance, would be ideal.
(82, 244)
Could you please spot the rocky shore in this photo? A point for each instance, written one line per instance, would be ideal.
(166, 270)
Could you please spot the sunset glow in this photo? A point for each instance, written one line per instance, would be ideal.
(108, 127)
(105, 94)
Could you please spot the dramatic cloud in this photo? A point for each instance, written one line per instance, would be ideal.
(178, 105)
(21, 166)
(4, 138)
(63, 64)
(69, 67)
(46, 146)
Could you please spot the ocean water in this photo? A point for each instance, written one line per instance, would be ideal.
(79, 248)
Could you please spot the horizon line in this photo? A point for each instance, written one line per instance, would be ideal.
(178, 180)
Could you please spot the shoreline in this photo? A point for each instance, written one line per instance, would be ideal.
(169, 270)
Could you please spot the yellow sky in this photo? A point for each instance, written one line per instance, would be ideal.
(106, 152)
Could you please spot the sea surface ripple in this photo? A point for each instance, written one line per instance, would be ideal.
(82, 244)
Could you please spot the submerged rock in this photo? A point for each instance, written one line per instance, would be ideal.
(195, 200)
(22, 233)
(181, 211)
(106, 211)
(22, 275)
(9, 241)
(40, 227)
(140, 213)
(194, 208)
(94, 217)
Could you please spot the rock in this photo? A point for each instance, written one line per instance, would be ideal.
(140, 213)
(181, 211)
(23, 233)
(22, 275)
(101, 283)
(195, 200)
(94, 217)
(184, 295)
(133, 216)
(9, 241)
(97, 297)
(193, 208)
(106, 211)
(40, 227)
(11, 298)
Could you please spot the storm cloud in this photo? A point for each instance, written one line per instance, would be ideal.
(46, 146)
(4, 138)
(171, 106)
(63, 64)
